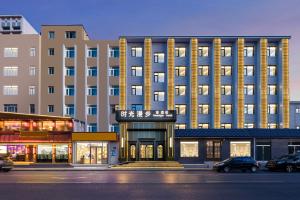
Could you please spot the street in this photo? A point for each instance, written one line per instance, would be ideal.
(147, 185)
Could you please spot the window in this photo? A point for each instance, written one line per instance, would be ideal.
(137, 90)
(159, 96)
(10, 108)
(180, 90)
(249, 51)
(271, 51)
(92, 71)
(51, 108)
(180, 52)
(69, 52)
(297, 110)
(50, 89)
(136, 51)
(51, 52)
(92, 52)
(10, 71)
(225, 51)
(189, 149)
(272, 125)
(70, 90)
(136, 71)
(136, 107)
(272, 90)
(249, 109)
(31, 90)
(114, 128)
(92, 90)
(272, 109)
(180, 109)
(226, 109)
(92, 109)
(226, 89)
(159, 57)
(203, 125)
(70, 71)
(180, 126)
(272, 70)
(203, 51)
(114, 108)
(293, 147)
(31, 108)
(69, 109)
(203, 89)
(114, 71)
(213, 149)
(50, 70)
(70, 34)
(114, 90)
(159, 77)
(10, 90)
(249, 125)
(226, 126)
(249, 89)
(180, 71)
(248, 70)
(114, 52)
(10, 52)
(31, 71)
(32, 51)
(240, 148)
(226, 70)
(263, 151)
(203, 70)
(92, 127)
(203, 109)
(51, 35)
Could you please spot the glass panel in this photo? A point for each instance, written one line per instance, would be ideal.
(132, 151)
(61, 153)
(241, 148)
(17, 152)
(189, 149)
(149, 151)
(93, 155)
(160, 152)
(44, 153)
(142, 151)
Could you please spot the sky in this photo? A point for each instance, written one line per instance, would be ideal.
(108, 19)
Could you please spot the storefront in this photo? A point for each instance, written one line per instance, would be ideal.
(95, 148)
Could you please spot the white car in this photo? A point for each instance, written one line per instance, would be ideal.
(6, 164)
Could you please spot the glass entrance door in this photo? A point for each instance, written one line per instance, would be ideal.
(98, 155)
(146, 151)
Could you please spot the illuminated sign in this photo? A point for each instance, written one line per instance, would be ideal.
(146, 115)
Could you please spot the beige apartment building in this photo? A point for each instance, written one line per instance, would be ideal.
(79, 76)
(19, 65)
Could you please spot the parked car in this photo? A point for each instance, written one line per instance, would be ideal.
(6, 164)
(240, 163)
(288, 163)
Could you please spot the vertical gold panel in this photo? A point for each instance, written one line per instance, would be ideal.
(240, 82)
(171, 74)
(285, 83)
(263, 84)
(217, 83)
(122, 79)
(147, 73)
(194, 83)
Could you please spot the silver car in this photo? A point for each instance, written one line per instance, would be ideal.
(6, 164)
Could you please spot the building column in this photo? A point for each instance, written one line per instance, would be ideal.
(217, 82)
(53, 153)
(263, 83)
(285, 84)
(240, 84)
(34, 151)
(171, 73)
(194, 83)
(27, 149)
(70, 153)
(147, 73)
(122, 79)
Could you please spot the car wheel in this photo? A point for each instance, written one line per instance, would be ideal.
(226, 169)
(253, 169)
(289, 168)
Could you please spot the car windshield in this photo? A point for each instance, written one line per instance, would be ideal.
(228, 159)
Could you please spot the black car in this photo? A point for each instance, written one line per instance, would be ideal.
(288, 163)
(240, 163)
(6, 164)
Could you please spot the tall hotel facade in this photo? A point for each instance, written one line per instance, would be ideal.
(212, 82)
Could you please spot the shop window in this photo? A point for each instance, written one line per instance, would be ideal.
(61, 153)
(3, 149)
(44, 153)
(240, 148)
(294, 147)
(91, 153)
(263, 151)
(213, 149)
(189, 149)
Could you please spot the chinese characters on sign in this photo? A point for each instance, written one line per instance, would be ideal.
(145, 115)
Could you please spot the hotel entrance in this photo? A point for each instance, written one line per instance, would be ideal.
(146, 151)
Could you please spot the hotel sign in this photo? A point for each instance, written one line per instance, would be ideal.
(146, 116)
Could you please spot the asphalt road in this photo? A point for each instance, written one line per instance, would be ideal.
(147, 185)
